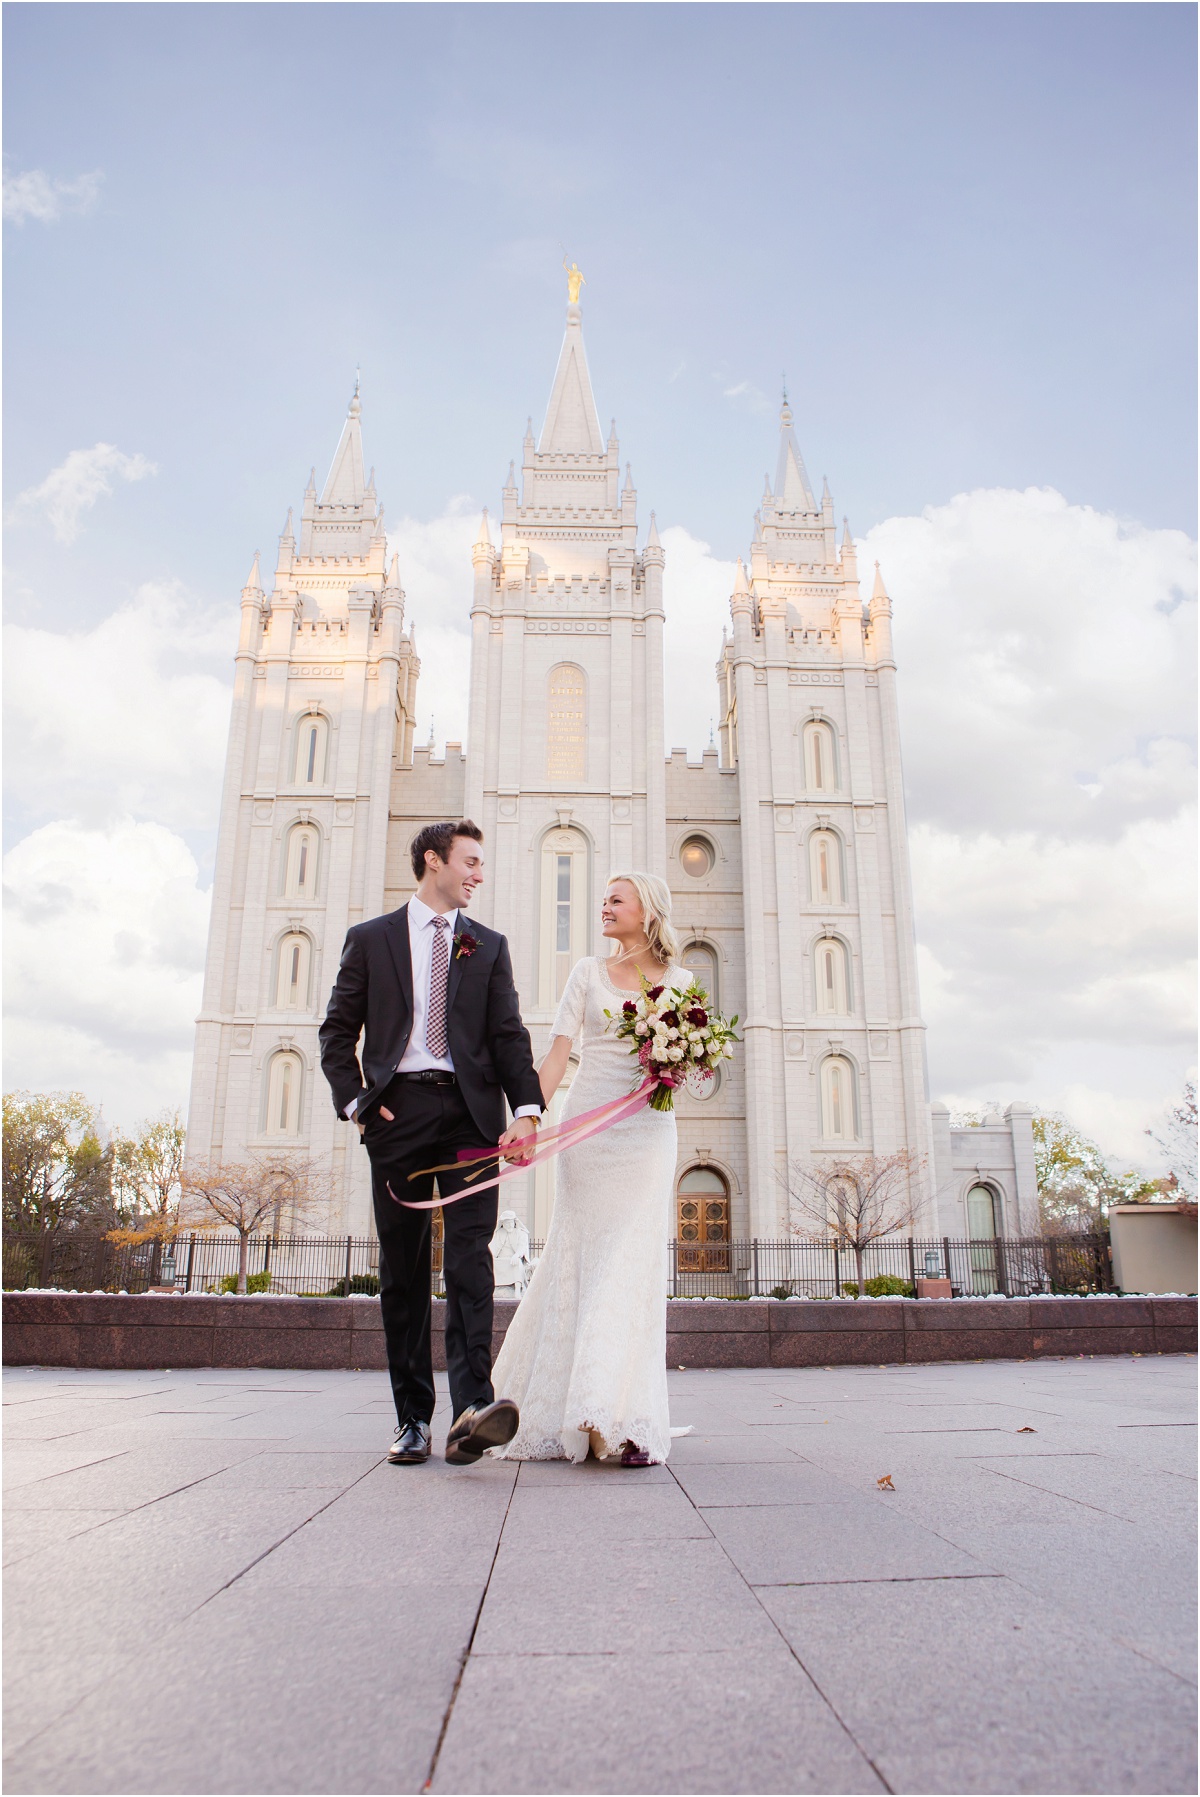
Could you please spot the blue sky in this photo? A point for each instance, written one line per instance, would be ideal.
(966, 233)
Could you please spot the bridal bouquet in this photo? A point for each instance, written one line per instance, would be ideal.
(675, 1037)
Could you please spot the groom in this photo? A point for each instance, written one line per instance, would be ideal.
(444, 1046)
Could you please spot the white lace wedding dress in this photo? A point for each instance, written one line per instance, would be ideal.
(585, 1354)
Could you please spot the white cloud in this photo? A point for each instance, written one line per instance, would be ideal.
(1046, 656)
(123, 718)
(696, 589)
(746, 397)
(76, 484)
(436, 573)
(1044, 685)
(104, 946)
(35, 194)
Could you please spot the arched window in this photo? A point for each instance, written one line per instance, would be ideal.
(839, 1122)
(283, 1094)
(300, 876)
(703, 1228)
(820, 758)
(312, 745)
(701, 960)
(982, 1231)
(566, 724)
(832, 983)
(696, 857)
(565, 909)
(292, 972)
(826, 882)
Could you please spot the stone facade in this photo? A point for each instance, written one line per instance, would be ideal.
(786, 850)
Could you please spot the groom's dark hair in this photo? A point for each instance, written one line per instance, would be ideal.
(440, 838)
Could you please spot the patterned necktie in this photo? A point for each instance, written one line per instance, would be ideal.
(435, 1022)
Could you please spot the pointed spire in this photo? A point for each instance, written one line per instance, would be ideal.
(529, 432)
(511, 482)
(826, 495)
(878, 591)
(572, 427)
(652, 540)
(740, 583)
(286, 532)
(793, 492)
(393, 578)
(484, 539)
(371, 481)
(628, 487)
(312, 484)
(254, 578)
(847, 539)
(767, 494)
(345, 485)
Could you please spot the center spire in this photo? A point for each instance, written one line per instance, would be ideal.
(572, 425)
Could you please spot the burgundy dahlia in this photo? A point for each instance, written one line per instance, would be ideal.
(697, 1015)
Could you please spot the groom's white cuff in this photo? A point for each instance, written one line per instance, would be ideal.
(527, 1110)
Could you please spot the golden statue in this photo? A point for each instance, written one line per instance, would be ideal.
(574, 281)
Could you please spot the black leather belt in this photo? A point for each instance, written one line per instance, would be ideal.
(431, 1076)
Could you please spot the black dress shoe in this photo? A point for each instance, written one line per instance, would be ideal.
(481, 1427)
(411, 1445)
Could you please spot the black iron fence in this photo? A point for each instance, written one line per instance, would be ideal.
(337, 1266)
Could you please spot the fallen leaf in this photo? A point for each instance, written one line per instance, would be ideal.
(1026, 1430)
(681, 1369)
(885, 1484)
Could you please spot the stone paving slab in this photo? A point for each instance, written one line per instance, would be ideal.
(1016, 1615)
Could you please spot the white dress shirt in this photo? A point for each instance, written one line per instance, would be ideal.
(416, 1057)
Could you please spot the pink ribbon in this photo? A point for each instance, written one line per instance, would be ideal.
(550, 1142)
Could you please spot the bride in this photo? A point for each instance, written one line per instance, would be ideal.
(585, 1354)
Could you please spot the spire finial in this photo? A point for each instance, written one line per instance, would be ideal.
(355, 406)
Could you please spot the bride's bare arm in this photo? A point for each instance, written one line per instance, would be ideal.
(554, 1066)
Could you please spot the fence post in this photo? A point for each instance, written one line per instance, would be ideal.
(754, 1259)
(837, 1272)
(1002, 1266)
(346, 1280)
(187, 1284)
(912, 1266)
(266, 1266)
(674, 1267)
(946, 1251)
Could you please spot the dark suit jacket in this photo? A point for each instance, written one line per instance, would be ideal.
(489, 1044)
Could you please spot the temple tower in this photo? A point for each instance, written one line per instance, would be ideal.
(323, 706)
(834, 1042)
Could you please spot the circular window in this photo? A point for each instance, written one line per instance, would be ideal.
(696, 857)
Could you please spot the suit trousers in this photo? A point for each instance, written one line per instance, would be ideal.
(431, 1124)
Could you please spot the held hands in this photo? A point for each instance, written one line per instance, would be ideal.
(516, 1139)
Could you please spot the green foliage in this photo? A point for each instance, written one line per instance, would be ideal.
(256, 1283)
(780, 1291)
(365, 1284)
(148, 1171)
(56, 1168)
(884, 1285)
(1076, 1185)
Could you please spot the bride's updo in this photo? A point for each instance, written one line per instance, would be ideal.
(655, 899)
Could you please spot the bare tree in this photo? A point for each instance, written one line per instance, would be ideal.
(1178, 1142)
(856, 1200)
(241, 1195)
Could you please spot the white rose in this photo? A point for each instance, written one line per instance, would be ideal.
(641, 1029)
(676, 1054)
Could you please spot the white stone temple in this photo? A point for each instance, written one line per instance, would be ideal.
(785, 849)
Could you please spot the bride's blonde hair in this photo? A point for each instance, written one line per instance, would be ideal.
(655, 899)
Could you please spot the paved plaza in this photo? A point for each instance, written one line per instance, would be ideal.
(214, 1583)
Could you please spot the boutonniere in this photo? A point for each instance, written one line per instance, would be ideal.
(465, 945)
